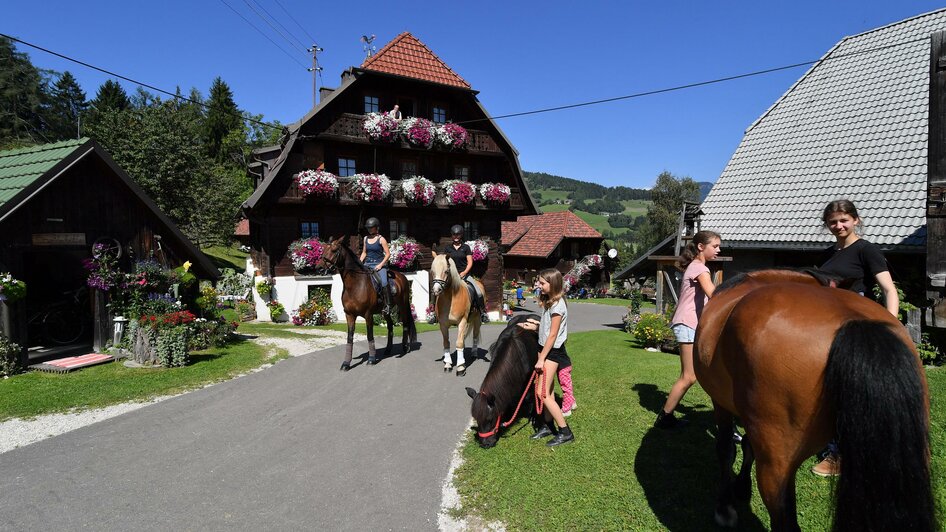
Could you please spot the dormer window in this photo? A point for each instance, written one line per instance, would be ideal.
(372, 105)
(439, 115)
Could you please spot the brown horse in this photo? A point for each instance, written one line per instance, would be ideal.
(453, 307)
(799, 363)
(360, 298)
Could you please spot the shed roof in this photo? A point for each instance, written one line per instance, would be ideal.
(854, 126)
(537, 235)
(407, 56)
(22, 167)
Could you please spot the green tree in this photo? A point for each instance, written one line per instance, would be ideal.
(24, 99)
(223, 116)
(668, 195)
(111, 96)
(67, 105)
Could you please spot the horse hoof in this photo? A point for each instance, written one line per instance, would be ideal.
(461, 371)
(726, 518)
(345, 366)
(372, 361)
(447, 369)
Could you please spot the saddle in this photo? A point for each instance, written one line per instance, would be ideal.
(475, 295)
(376, 282)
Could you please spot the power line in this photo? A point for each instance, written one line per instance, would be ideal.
(311, 38)
(692, 85)
(261, 6)
(130, 80)
(274, 28)
(224, 2)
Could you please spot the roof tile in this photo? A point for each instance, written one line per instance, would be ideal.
(407, 56)
(538, 235)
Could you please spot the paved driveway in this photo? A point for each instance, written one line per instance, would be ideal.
(298, 446)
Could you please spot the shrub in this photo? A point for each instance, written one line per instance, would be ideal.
(171, 346)
(316, 311)
(652, 330)
(207, 302)
(9, 357)
(207, 333)
(245, 309)
(928, 351)
(637, 299)
(276, 310)
(232, 283)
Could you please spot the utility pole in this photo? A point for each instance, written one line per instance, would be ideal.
(315, 69)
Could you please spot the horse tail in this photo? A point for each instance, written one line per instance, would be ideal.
(875, 382)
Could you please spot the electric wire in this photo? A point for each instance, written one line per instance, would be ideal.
(274, 28)
(286, 11)
(130, 80)
(283, 50)
(281, 25)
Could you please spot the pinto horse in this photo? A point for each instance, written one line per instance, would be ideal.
(360, 298)
(454, 307)
(799, 363)
(506, 386)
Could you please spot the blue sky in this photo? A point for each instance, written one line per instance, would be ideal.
(520, 56)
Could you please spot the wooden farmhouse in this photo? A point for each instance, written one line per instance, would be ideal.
(332, 138)
(57, 201)
(557, 240)
(860, 124)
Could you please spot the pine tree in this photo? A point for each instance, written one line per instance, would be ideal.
(111, 95)
(67, 105)
(24, 97)
(223, 116)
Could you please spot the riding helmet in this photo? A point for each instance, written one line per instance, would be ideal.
(372, 222)
(456, 230)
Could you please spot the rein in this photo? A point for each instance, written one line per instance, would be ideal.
(538, 406)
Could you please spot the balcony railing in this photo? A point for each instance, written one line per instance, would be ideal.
(349, 127)
(396, 198)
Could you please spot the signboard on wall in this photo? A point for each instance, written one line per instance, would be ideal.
(59, 239)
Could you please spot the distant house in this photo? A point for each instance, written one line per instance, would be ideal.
(550, 240)
(57, 201)
(855, 125)
(407, 74)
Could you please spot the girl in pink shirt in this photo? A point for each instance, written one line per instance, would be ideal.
(695, 290)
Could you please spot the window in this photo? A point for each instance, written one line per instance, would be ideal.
(461, 172)
(471, 230)
(574, 249)
(408, 168)
(439, 115)
(397, 228)
(371, 104)
(346, 167)
(309, 229)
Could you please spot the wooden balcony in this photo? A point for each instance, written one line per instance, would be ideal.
(348, 128)
(396, 198)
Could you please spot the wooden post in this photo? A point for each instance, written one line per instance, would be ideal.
(100, 323)
(936, 182)
(660, 288)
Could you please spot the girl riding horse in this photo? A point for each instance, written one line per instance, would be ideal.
(453, 306)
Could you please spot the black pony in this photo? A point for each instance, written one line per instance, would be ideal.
(514, 356)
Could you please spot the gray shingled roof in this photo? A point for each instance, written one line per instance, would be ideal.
(854, 126)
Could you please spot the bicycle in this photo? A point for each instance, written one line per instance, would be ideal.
(61, 322)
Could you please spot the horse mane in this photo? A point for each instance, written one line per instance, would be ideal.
(455, 280)
(512, 354)
(351, 258)
(822, 278)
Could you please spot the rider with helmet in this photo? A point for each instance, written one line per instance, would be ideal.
(462, 256)
(375, 253)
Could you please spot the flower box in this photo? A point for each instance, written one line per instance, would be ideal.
(458, 192)
(404, 253)
(419, 132)
(381, 127)
(452, 136)
(305, 254)
(418, 190)
(318, 183)
(479, 248)
(495, 193)
(368, 188)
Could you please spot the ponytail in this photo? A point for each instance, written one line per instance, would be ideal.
(692, 248)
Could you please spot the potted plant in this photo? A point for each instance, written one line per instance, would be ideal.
(368, 188)
(418, 190)
(318, 183)
(451, 136)
(305, 254)
(381, 127)
(11, 290)
(458, 192)
(419, 132)
(404, 253)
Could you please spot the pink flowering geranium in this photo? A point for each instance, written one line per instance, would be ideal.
(452, 136)
(317, 183)
(404, 253)
(418, 190)
(569, 280)
(458, 192)
(305, 253)
(593, 260)
(419, 132)
(370, 187)
(495, 192)
(381, 127)
(480, 249)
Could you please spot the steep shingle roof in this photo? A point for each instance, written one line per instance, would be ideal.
(407, 56)
(854, 126)
(537, 235)
(20, 168)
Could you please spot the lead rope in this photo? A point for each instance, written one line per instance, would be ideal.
(538, 405)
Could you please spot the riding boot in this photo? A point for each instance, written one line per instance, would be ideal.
(387, 298)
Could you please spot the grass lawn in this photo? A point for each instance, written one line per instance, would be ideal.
(36, 393)
(554, 208)
(227, 257)
(612, 301)
(621, 475)
(288, 330)
(634, 208)
(552, 194)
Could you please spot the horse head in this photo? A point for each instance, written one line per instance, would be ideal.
(332, 257)
(440, 271)
(487, 417)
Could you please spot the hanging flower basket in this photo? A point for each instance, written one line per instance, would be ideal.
(452, 136)
(381, 127)
(480, 249)
(11, 289)
(305, 254)
(419, 132)
(458, 192)
(317, 183)
(368, 188)
(418, 190)
(495, 193)
(404, 253)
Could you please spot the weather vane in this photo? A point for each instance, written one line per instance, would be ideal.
(366, 44)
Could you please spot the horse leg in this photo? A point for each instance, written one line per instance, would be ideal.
(775, 474)
(387, 348)
(461, 337)
(445, 331)
(742, 488)
(372, 353)
(725, 514)
(349, 346)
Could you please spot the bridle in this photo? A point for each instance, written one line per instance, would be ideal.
(538, 405)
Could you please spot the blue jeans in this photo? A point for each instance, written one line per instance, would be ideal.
(382, 274)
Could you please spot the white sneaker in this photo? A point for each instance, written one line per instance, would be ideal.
(566, 413)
